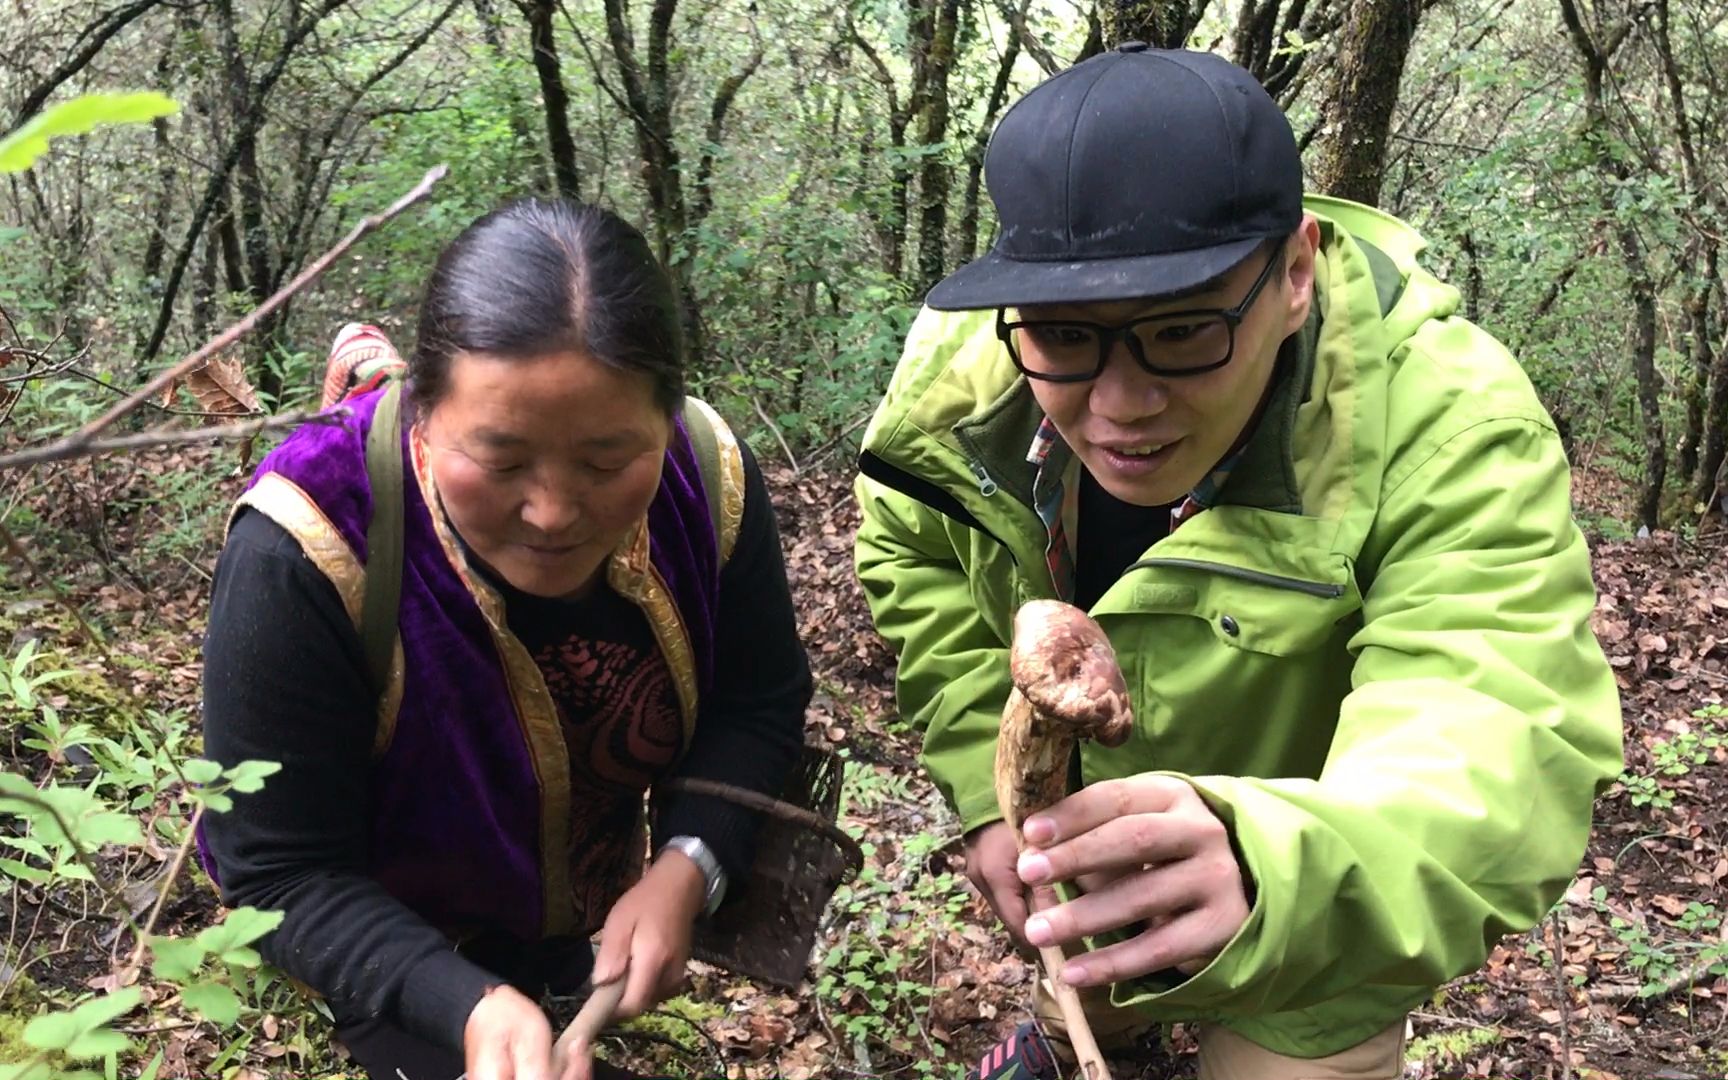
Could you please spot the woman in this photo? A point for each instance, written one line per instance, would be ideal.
(574, 627)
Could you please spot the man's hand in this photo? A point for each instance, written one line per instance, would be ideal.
(1150, 851)
(990, 855)
(507, 1037)
(646, 939)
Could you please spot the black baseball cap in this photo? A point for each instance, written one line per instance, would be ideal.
(1138, 173)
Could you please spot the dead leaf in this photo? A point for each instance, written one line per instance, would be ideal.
(220, 386)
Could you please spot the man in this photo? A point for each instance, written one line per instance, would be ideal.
(1326, 525)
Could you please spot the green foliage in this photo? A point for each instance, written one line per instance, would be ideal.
(19, 150)
(1694, 947)
(877, 980)
(65, 826)
(1671, 759)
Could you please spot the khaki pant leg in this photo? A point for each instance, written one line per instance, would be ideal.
(1225, 1055)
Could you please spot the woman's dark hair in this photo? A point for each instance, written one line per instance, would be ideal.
(543, 276)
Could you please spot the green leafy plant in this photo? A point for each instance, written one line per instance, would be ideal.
(60, 833)
(877, 980)
(204, 966)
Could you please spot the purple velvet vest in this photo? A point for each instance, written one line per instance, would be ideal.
(471, 794)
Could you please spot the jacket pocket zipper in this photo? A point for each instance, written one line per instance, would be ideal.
(1273, 581)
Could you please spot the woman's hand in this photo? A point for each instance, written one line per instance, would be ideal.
(990, 854)
(1151, 852)
(507, 1038)
(646, 939)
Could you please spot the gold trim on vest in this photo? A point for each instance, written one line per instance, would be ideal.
(731, 484)
(631, 573)
(282, 501)
(536, 714)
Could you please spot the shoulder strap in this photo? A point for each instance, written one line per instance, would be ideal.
(707, 448)
(382, 600)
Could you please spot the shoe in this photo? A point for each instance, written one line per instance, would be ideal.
(1024, 1055)
(361, 358)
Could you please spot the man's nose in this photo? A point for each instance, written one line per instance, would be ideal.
(1124, 392)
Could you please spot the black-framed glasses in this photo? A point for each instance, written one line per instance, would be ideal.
(1171, 343)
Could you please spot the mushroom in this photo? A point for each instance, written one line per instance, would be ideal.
(1067, 687)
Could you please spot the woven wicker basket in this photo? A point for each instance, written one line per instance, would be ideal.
(768, 924)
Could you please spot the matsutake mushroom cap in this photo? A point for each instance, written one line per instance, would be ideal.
(1065, 666)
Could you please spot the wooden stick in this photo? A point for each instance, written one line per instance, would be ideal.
(577, 1043)
(1080, 1035)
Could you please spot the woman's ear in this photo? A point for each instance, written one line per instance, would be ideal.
(1300, 252)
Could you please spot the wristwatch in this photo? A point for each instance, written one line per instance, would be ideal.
(713, 877)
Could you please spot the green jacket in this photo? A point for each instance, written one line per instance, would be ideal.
(1373, 658)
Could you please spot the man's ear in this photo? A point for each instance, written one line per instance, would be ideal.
(1300, 252)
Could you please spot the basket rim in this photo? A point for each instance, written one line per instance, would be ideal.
(785, 811)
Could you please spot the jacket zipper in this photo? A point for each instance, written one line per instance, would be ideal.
(975, 462)
(931, 496)
(1274, 581)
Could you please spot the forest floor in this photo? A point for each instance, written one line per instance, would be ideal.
(911, 976)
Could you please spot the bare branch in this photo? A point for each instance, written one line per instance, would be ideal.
(78, 442)
(17, 551)
(156, 437)
(723, 98)
(168, 880)
(1034, 48)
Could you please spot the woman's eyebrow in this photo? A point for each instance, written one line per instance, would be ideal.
(500, 439)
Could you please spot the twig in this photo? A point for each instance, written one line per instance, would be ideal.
(76, 443)
(167, 887)
(1562, 997)
(90, 865)
(157, 437)
(1680, 979)
(17, 551)
(828, 447)
(39, 358)
(1451, 1021)
(774, 429)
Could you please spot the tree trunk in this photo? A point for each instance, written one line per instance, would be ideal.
(254, 228)
(967, 246)
(1649, 382)
(233, 263)
(1702, 361)
(1714, 459)
(558, 139)
(650, 82)
(1373, 47)
(1262, 32)
(156, 247)
(935, 176)
(216, 185)
(1472, 279)
(204, 289)
(1163, 24)
(1596, 53)
(521, 125)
